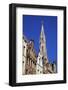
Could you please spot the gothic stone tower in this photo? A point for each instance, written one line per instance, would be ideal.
(42, 56)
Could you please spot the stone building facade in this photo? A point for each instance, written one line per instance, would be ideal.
(33, 63)
(30, 59)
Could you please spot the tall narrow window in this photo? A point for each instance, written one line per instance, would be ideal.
(23, 50)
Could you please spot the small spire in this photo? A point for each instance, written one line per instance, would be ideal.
(42, 24)
(42, 29)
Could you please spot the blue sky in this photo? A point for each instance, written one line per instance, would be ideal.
(32, 28)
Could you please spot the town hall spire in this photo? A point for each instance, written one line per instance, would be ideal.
(43, 51)
(42, 47)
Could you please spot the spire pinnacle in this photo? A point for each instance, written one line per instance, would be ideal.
(42, 35)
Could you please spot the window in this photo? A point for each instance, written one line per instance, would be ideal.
(35, 63)
(24, 46)
(23, 50)
(23, 61)
(42, 58)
